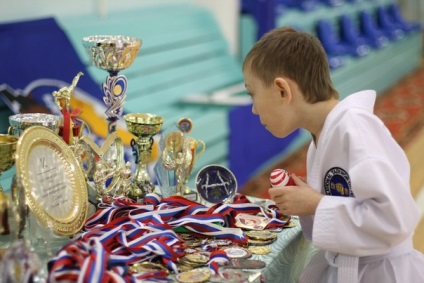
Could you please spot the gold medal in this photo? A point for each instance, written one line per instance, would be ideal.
(258, 250)
(197, 258)
(194, 276)
(141, 267)
(290, 224)
(263, 235)
(253, 242)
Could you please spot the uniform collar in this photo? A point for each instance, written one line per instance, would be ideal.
(362, 100)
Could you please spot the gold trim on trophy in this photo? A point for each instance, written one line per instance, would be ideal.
(54, 184)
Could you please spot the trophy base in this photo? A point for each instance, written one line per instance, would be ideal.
(191, 195)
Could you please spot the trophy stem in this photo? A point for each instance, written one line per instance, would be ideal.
(114, 89)
(142, 149)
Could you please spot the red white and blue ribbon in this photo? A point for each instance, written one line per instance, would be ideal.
(124, 232)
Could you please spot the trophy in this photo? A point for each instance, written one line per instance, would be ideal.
(196, 148)
(71, 129)
(20, 122)
(179, 153)
(144, 126)
(7, 160)
(112, 53)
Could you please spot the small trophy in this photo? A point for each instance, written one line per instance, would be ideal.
(144, 126)
(7, 160)
(71, 127)
(196, 148)
(179, 154)
(20, 122)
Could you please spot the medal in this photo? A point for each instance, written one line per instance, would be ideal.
(146, 266)
(253, 242)
(258, 250)
(290, 224)
(194, 276)
(251, 222)
(237, 252)
(261, 235)
(197, 258)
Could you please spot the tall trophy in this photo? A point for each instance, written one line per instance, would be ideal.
(113, 53)
(7, 160)
(144, 126)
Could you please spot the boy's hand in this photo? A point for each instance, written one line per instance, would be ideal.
(299, 200)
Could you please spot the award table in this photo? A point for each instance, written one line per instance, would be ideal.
(284, 258)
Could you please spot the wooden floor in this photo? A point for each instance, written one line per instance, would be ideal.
(415, 153)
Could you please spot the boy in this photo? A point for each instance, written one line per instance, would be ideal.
(356, 206)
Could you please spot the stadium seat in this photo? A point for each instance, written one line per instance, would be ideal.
(394, 13)
(393, 30)
(332, 2)
(305, 5)
(332, 43)
(375, 36)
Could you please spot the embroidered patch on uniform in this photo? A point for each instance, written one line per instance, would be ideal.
(337, 183)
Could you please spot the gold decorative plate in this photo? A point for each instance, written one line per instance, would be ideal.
(54, 184)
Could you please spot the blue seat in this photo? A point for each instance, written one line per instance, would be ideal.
(304, 5)
(332, 2)
(374, 35)
(394, 13)
(333, 45)
(350, 33)
(392, 29)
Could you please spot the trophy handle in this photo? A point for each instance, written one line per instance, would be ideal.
(199, 149)
(134, 149)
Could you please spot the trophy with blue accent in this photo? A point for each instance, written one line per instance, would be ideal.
(113, 53)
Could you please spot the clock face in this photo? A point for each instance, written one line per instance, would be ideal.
(54, 184)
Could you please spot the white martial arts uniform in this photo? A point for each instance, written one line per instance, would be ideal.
(363, 227)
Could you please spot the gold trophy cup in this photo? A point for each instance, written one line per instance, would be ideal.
(7, 160)
(144, 126)
(197, 148)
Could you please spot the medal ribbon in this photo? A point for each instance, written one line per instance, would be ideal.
(123, 231)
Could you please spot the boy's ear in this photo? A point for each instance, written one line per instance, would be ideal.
(283, 86)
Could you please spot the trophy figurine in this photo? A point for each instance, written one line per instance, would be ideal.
(7, 160)
(196, 149)
(144, 126)
(177, 157)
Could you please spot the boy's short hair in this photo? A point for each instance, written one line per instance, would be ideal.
(296, 55)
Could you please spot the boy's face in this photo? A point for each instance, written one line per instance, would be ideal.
(272, 103)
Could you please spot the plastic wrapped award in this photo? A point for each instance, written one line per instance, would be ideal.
(216, 184)
(174, 161)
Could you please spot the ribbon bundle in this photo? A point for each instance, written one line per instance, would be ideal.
(124, 232)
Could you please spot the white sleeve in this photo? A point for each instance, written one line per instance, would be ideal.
(381, 215)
